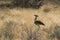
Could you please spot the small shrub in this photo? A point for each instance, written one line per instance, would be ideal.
(46, 9)
(56, 33)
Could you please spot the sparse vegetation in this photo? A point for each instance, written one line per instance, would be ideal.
(56, 33)
(7, 32)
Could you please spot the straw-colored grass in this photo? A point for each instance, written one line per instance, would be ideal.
(18, 23)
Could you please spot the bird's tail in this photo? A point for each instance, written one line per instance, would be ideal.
(43, 24)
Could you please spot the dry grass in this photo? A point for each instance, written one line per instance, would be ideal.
(18, 24)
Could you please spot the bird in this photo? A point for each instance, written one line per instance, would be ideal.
(38, 22)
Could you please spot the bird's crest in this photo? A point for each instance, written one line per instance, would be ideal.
(36, 15)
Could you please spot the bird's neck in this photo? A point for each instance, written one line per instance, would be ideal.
(35, 18)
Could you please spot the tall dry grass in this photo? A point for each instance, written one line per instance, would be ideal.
(18, 24)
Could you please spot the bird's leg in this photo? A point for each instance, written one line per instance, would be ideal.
(38, 28)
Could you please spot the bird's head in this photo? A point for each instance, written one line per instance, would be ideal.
(36, 15)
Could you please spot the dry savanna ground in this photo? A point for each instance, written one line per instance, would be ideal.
(18, 23)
